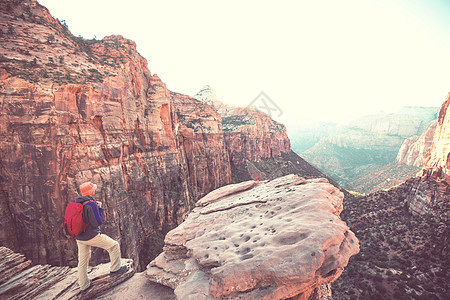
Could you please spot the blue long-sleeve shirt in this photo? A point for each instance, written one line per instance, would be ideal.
(92, 215)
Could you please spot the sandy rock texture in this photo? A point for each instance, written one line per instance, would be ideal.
(258, 240)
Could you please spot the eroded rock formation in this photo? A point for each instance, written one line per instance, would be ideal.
(258, 240)
(201, 137)
(250, 136)
(414, 150)
(437, 162)
(430, 191)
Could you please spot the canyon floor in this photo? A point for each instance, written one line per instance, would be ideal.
(402, 256)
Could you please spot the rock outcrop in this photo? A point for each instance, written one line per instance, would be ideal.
(201, 137)
(275, 239)
(414, 150)
(250, 136)
(437, 162)
(429, 192)
(22, 280)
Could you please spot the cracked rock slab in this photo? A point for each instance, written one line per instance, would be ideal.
(19, 280)
(258, 240)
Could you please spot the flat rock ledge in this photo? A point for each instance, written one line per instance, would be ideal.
(278, 239)
(19, 279)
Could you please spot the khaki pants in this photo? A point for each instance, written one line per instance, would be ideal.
(84, 254)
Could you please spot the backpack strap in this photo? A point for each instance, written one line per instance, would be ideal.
(84, 204)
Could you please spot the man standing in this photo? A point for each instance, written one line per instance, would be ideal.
(92, 237)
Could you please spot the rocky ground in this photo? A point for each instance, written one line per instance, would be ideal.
(20, 279)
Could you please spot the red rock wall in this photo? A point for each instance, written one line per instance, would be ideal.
(413, 151)
(201, 136)
(250, 136)
(437, 162)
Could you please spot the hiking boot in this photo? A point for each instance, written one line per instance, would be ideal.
(122, 269)
(83, 292)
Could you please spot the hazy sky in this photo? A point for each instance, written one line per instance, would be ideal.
(316, 59)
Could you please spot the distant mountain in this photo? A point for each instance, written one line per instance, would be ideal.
(365, 146)
(306, 135)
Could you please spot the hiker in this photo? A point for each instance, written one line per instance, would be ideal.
(92, 237)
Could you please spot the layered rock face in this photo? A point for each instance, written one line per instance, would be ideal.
(275, 239)
(250, 135)
(414, 150)
(74, 110)
(430, 191)
(201, 137)
(437, 161)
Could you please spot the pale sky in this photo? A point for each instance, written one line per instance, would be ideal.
(323, 60)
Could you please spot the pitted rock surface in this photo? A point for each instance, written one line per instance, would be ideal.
(258, 240)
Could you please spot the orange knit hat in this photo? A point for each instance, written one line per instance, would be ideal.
(88, 189)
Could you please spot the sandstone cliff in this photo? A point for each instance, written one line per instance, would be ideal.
(201, 138)
(437, 161)
(430, 191)
(414, 149)
(253, 140)
(275, 239)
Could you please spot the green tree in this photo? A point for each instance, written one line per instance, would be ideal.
(50, 38)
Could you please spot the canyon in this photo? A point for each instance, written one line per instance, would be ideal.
(75, 110)
(370, 153)
(207, 200)
(404, 231)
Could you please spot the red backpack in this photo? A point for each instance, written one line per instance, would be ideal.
(73, 219)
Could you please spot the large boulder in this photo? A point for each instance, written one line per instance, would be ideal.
(258, 240)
